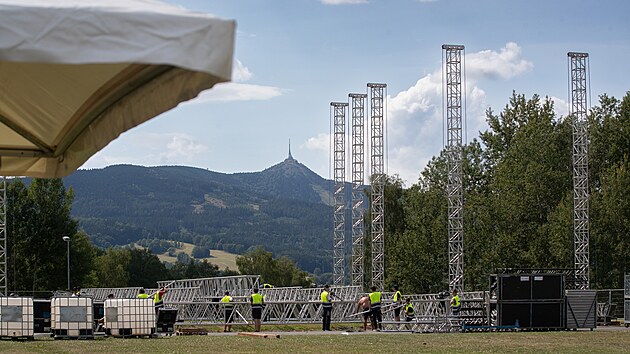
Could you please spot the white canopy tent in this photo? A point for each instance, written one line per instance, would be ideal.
(75, 74)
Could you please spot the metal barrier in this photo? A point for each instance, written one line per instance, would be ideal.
(610, 305)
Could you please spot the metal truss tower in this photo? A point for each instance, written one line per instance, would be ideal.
(454, 188)
(578, 63)
(377, 146)
(3, 238)
(339, 167)
(358, 179)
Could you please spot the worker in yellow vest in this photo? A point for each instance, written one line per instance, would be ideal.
(456, 304)
(228, 308)
(326, 308)
(257, 302)
(142, 294)
(375, 309)
(158, 298)
(397, 303)
(409, 311)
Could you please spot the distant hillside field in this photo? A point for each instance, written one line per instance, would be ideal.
(220, 258)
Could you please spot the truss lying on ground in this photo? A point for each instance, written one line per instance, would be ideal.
(198, 303)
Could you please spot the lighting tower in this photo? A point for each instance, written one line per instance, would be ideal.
(454, 189)
(578, 63)
(377, 137)
(3, 237)
(358, 176)
(339, 166)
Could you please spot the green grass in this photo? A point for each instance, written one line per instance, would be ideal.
(520, 342)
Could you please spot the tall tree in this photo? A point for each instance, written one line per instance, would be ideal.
(609, 151)
(145, 268)
(279, 272)
(38, 217)
(112, 268)
(530, 153)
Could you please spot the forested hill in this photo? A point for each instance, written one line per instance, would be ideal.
(284, 208)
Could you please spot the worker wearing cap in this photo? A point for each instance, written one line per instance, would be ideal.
(257, 302)
(326, 308)
(456, 304)
(375, 309)
(228, 308)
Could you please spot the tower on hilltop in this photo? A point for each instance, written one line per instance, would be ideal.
(290, 157)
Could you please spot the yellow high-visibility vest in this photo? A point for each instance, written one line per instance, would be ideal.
(456, 302)
(375, 297)
(226, 301)
(325, 296)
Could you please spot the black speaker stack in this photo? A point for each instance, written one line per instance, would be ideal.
(531, 301)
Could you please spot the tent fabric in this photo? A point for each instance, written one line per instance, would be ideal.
(76, 74)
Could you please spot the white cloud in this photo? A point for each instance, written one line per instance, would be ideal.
(343, 2)
(489, 64)
(237, 92)
(240, 72)
(321, 142)
(181, 147)
(560, 106)
(415, 116)
(415, 121)
(150, 149)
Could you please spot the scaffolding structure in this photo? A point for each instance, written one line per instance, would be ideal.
(377, 157)
(197, 302)
(100, 294)
(455, 195)
(578, 63)
(339, 167)
(358, 179)
(3, 238)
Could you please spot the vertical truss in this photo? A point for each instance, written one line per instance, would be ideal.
(339, 166)
(377, 145)
(579, 111)
(358, 174)
(3, 237)
(453, 55)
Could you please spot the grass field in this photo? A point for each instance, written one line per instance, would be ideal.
(221, 258)
(602, 341)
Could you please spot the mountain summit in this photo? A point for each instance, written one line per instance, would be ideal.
(290, 179)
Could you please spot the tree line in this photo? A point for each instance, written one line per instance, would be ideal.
(38, 218)
(518, 208)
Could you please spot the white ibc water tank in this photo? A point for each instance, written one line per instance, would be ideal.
(71, 317)
(16, 317)
(129, 317)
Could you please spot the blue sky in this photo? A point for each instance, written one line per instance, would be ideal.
(293, 57)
